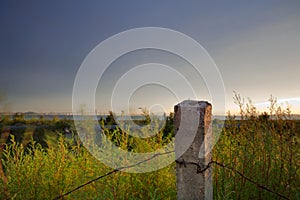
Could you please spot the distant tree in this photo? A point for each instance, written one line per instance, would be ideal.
(18, 118)
(110, 119)
(169, 126)
(146, 116)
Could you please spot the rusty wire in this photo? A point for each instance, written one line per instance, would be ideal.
(112, 172)
(182, 162)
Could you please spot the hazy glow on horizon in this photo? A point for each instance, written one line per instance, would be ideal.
(255, 46)
(293, 103)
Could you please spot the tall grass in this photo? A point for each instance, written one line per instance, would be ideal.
(39, 173)
(262, 146)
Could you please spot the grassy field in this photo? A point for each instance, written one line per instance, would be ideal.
(262, 146)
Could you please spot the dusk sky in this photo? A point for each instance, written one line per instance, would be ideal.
(255, 45)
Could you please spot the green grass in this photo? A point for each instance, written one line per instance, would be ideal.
(45, 174)
(263, 147)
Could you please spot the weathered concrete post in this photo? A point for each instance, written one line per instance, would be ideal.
(192, 123)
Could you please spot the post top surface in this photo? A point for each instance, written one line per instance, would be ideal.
(193, 103)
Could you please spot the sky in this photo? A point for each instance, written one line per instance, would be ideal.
(255, 45)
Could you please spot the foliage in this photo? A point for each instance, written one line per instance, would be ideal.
(36, 172)
(262, 146)
(45, 174)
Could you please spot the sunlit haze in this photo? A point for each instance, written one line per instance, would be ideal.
(255, 45)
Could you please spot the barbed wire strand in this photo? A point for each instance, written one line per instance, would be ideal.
(199, 170)
(112, 172)
(250, 180)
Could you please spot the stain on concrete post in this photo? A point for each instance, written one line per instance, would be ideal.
(192, 122)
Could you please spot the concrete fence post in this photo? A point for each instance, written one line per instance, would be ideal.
(192, 122)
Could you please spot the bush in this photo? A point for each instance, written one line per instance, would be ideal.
(263, 147)
(38, 173)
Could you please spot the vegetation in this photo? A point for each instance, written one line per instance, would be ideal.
(40, 163)
(263, 147)
(47, 166)
(42, 174)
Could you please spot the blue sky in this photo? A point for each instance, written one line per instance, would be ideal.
(256, 45)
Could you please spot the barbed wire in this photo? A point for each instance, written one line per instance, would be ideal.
(201, 170)
(182, 162)
(250, 180)
(112, 172)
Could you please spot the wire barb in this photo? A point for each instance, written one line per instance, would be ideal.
(199, 168)
(184, 163)
(112, 172)
(250, 180)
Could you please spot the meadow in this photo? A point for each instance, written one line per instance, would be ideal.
(38, 161)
